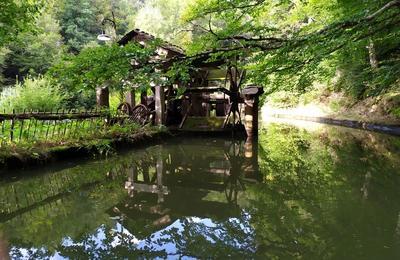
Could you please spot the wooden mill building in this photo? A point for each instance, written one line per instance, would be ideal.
(213, 99)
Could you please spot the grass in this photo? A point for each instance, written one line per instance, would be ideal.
(98, 142)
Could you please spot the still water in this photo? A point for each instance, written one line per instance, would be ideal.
(320, 192)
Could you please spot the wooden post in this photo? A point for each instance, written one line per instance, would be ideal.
(251, 100)
(160, 105)
(197, 106)
(251, 116)
(12, 127)
(143, 98)
(102, 96)
(130, 98)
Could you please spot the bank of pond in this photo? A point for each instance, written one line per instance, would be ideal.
(300, 191)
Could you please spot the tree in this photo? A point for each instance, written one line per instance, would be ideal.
(113, 65)
(78, 23)
(33, 53)
(289, 44)
(162, 18)
(16, 17)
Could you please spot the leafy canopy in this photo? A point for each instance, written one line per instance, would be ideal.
(112, 65)
(291, 43)
(17, 16)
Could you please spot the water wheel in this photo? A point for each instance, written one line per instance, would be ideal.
(140, 114)
(124, 109)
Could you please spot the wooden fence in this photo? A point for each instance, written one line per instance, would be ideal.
(51, 125)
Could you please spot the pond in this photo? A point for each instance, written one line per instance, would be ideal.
(314, 192)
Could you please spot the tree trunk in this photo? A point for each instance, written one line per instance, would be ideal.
(373, 59)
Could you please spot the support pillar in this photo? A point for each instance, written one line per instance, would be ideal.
(160, 105)
(251, 116)
(103, 96)
(251, 100)
(130, 98)
(143, 98)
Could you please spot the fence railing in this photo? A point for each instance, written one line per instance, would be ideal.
(51, 125)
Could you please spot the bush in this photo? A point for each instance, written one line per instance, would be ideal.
(33, 94)
(115, 99)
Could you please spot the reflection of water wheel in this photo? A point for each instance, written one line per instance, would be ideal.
(234, 181)
(140, 114)
(124, 108)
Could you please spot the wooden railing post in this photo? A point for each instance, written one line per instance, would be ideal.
(12, 126)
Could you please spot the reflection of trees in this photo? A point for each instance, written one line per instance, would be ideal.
(230, 238)
(311, 204)
(52, 206)
(191, 237)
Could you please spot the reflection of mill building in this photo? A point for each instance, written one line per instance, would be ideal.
(210, 181)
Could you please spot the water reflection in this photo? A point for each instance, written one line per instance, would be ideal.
(227, 168)
(329, 193)
(172, 192)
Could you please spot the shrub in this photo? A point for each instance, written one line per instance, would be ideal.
(115, 99)
(33, 94)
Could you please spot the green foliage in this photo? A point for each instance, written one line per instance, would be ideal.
(33, 53)
(33, 94)
(283, 99)
(78, 23)
(162, 18)
(77, 99)
(111, 65)
(289, 45)
(284, 45)
(3, 54)
(115, 100)
(396, 112)
(16, 17)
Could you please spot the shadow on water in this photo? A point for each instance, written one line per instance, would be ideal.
(294, 193)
